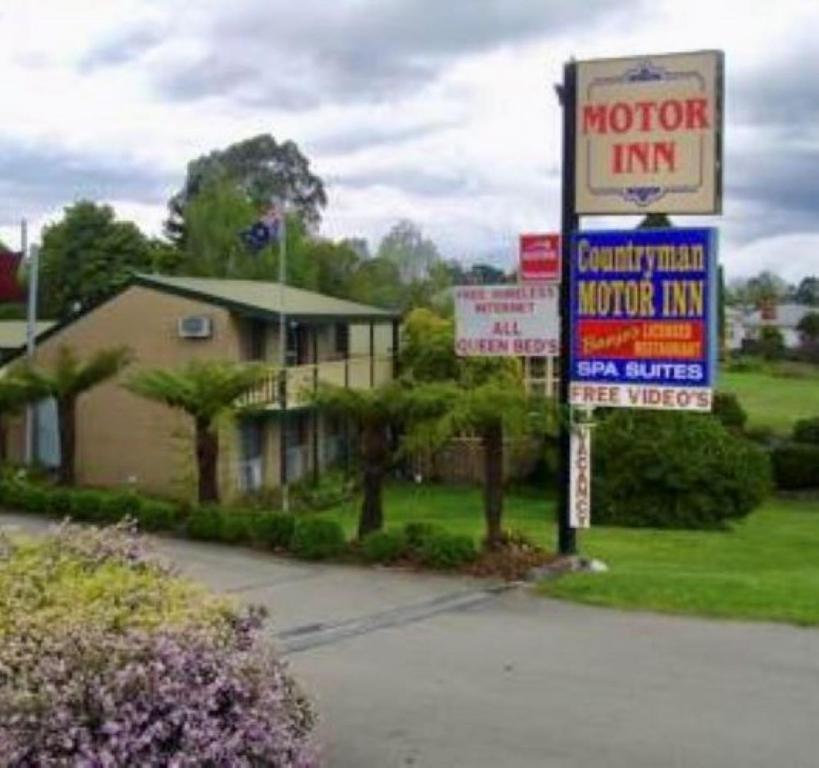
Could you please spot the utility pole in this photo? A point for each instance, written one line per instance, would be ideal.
(567, 95)
(283, 354)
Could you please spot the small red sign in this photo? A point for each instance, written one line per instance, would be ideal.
(540, 257)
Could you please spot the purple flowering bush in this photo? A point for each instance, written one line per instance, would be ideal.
(101, 687)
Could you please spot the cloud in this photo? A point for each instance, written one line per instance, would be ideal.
(122, 47)
(349, 52)
(35, 179)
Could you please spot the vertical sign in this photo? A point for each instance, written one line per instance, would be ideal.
(540, 257)
(643, 319)
(580, 478)
(649, 134)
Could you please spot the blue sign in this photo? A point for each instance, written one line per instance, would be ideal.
(643, 318)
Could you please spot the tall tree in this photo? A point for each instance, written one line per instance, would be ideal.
(807, 292)
(66, 381)
(263, 169)
(406, 247)
(86, 257)
(205, 391)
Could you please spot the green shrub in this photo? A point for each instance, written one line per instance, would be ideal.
(728, 410)
(59, 502)
(807, 431)
(417, 533)
(205, 524)
(89, 505)
(761, 434)
(156, 515)
(447, 551)
(332, 489)
(34, 498)
(796, 466)
(317, 538)
(237, 526)
(673, 470)
(273, 529)
(384, 546)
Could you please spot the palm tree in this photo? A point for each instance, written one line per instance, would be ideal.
(65, 381)
(494, 409)
(205, 390)
(377, 415)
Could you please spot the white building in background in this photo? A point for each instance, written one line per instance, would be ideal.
(784, 317)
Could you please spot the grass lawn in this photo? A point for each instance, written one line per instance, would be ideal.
(767, 568)
(459, 509)
(773, 401)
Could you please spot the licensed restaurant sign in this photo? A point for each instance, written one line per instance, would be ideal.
(643, 319)
(507, 320)
(540, 257)
(649, 134)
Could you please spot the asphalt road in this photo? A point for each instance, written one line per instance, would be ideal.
(434, 672)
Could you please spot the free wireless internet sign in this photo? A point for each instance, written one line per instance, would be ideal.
(643, 318)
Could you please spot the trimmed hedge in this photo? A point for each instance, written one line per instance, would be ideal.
(317, 538)
(418, 533)
(807, 431)
(674, 470)
(727, 408)
(796, 466)
(274, 529)
(384, 546)
(447, 551)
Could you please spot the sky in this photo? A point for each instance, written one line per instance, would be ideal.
(440, 111)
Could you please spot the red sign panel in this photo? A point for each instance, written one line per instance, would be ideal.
(540, 257)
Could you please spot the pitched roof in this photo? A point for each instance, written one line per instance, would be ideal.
(256, 297)
(13, 332)
(787, 316)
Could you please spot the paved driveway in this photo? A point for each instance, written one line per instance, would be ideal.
(412, 670)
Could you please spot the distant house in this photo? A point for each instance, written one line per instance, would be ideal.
(735, 331)
(784, 317)
(11, 290)
(123, 439)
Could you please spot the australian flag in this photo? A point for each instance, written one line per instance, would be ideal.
(264, 231)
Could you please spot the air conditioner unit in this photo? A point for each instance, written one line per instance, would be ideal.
(195, 327)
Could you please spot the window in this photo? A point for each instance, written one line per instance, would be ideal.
(342, 340)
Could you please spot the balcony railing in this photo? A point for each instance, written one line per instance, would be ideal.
(301, 381)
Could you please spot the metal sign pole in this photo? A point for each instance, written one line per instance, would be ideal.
(283, 355)
(567, 93)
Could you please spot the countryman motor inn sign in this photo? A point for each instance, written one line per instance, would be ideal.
(648, 134)
(643, 325)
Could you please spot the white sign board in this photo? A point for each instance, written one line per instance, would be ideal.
(580, 476)
(649, 134)
(507, 320)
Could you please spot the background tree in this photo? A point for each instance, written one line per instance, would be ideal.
(86, 257)
(263, 170)
(771, 343)
(406, 247)
(205, 390)
(807, 292)
(66, 381)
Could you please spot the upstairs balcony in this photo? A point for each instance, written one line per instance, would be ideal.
(300, 381)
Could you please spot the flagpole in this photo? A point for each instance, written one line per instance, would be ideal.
(283, 352)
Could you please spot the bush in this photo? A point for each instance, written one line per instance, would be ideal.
(332, 489)
(205, 524)
(807, 431)
(237, 527)
(156, 515)
(317, 538)
(762, 434)
(728, 410)
(384, 546)
(119, 505)
(417, 533)
(112, 661)
(447, 551)
(88, 506)
(674, 470)
(273, 529)
(59, 502)
(796, 466)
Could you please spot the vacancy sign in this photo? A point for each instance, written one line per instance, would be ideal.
(507, 320)
(580, 476)
(540, 257)
(643, 319)
(649, 134)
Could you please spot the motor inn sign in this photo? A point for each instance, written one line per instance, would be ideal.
(648, 134)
